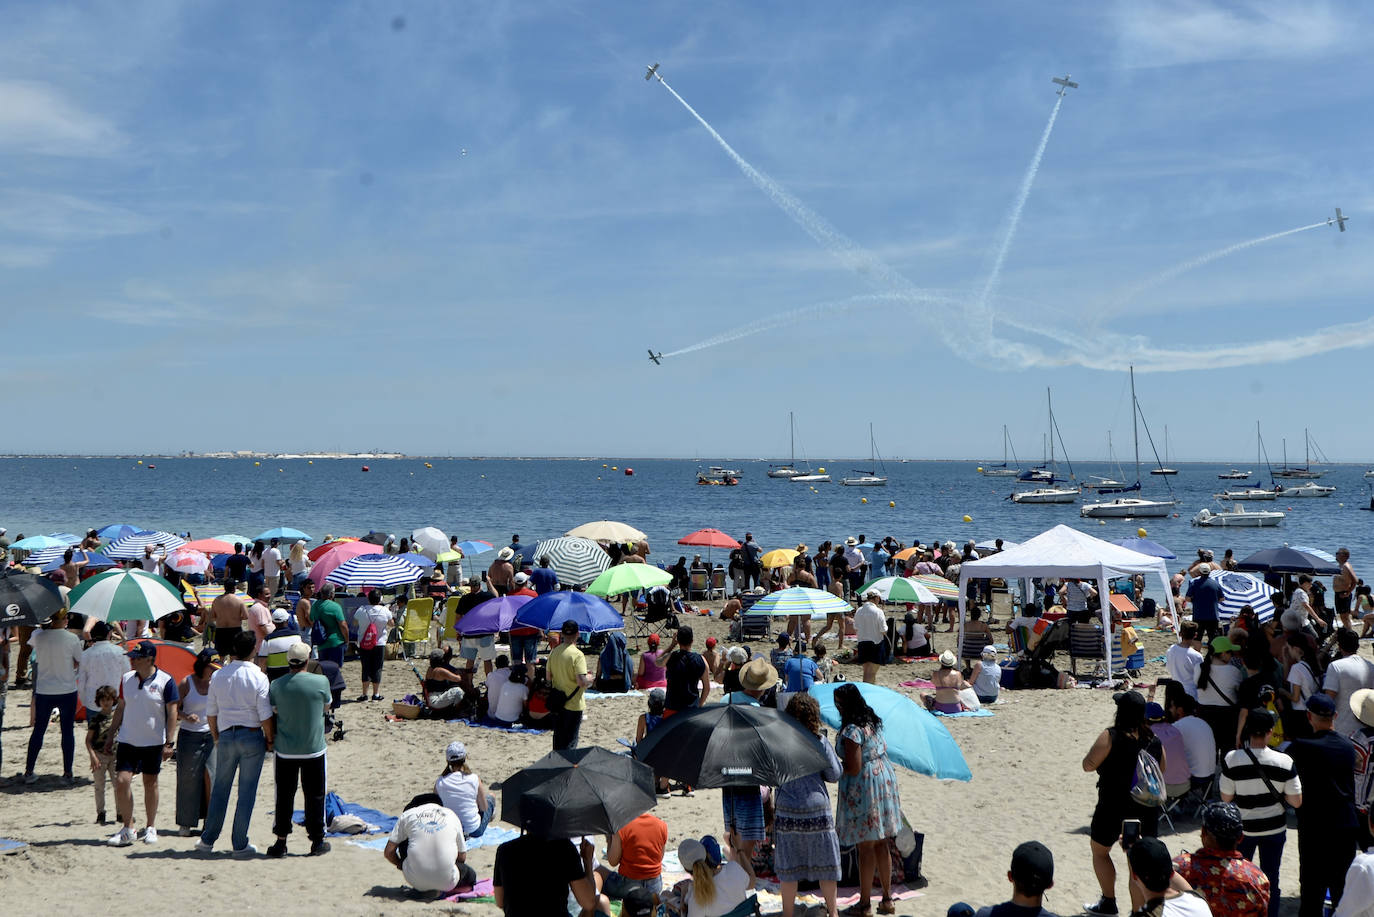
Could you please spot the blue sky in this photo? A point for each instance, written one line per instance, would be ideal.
(260, 219)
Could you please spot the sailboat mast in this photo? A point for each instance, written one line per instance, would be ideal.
(792, 437)
(1049, 402)
(1135, 431)
(1004, 444)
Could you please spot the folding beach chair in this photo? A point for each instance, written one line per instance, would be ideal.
(415, 622)
(698, 583)
(972, 647)
(450, 619)
(1085, 642)
(717, 590)
(750, 627)
(659, 616)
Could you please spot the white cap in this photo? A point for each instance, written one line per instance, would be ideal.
(456, 751)
(281, 616)
(299, 652)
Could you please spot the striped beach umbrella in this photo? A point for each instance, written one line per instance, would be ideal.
(900, 589)
(342, 552)
(125, 595)
(628, 578)
(71, 540)
(379, 571)
(187, 560)
(44, 556)
(130, 547)
(799, 600)
(944, 590)
(577, 561)
(94, 561)
(1239, 589)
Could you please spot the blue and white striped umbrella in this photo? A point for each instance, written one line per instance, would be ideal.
(94, 561)
(71, 540)
(1239, 589)
(131, 547)
(45, 556)
(379, 571)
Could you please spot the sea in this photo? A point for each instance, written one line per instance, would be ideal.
(493, 499)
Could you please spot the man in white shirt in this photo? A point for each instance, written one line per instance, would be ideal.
(240, 715)
(102, 663)
(1358, 898)
(153, 558)
(855, 558)
(870, 630)
(427, 847)
(141, 739)
(1198, 740)
(1182, 659)
(1346, 675)
(271, 567)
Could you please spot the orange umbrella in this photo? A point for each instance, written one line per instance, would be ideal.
(210, 546)
(904, 553)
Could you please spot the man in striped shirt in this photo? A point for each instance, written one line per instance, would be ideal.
(1259, 780)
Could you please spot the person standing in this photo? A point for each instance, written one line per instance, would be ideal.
(1342, 586)
(1260, 780)
(869, 811)
(240, 716)
(195, 746)
(1205, 592)
(751, 555)
(302, 610)
(1182, 659)
(687, 682)
(1362, 704)
(501, 573)
(56, 657)
(298, 565)
(1327, 828)
(567, 668)
(870, 630)
(271, 567)
(236, 564)
(806, 848)
(301, 702)
(140, 737)
(544, 578)
(374, 627)
(1347, 674)
(329, 614)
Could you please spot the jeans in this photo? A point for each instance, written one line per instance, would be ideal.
(195, 758)
(239, 749)
(1270, 855)
(823, 578)
(311, 773)
(43, 706)
(524, 648)
(567, 725)
(616, 886)
(486, 817)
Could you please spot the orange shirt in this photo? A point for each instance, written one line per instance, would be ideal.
(641, 847)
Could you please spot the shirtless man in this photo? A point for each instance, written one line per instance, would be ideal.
(799, 626)
(227, 615)
(501, 573)
(948, 681)
(1343, 585)
(303, 605)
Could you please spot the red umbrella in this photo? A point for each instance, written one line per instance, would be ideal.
(709, 538)
(210, 546)
(320, 550)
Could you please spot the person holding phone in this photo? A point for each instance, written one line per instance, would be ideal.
(1113, 757)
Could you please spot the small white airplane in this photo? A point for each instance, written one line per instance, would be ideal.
(1064, 83)
(652, 72)
(1338, 220)
(655, 357)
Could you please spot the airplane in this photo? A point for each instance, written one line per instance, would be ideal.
(655, 357)
(653, 72)
(1065, 84)
(1338, 220)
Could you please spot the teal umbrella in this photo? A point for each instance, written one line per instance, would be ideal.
(900, 589)
(916, 739)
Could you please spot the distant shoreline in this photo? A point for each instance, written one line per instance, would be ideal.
(381, 456)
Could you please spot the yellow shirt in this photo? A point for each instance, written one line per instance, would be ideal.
(566, 662)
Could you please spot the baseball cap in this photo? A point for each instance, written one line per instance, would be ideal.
(142, 650)
(690, 852)
(1131, 699)
(1032, 867)
(638, 902)
(569, 629)
(712, 848)
(281, 616)
(1321, 705)
(1151, 863)
(456, 751)
(522, 578)
(1223, 645)
(1154, 713)
(298, 654)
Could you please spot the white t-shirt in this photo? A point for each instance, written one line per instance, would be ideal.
(1186, 905)
(152, 564)
(378, 614)
(56, 653)
(1200, 745)
(436, 839)
(104, 663)
(511, 702)
(870, 624)
(459, 793)
(271, 563)
(1182, 662)
(1301, 675)
(145, 708)
(495, 682)
(1223, 679)
(1358, 899)
(1345, 676)
(1296, 614)
(732, 885)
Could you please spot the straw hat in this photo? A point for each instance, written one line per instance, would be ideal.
(948, 660)
(505, 554)
(1362, 705)
(757, 675)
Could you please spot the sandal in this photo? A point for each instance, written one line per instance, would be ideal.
(857, 909)
(887, 907)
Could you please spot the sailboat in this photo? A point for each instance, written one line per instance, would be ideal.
(1130, 507)
(1003, 470)
(1246, 492)
(1237, 514)
(871, 478)
(1048, 493)
(1164, 468)
(1098, 482)
(789, 470)
(1305, 472)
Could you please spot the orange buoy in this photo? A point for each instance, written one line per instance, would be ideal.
(365, 468)
(629, 471)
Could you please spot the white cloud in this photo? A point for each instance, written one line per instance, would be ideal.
(65, 217)
(16, 256)
(35, 118)
(1174, 32)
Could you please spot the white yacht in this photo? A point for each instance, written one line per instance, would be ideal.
(870, 478)
(1130, 507)
(1234, 474)
(1238, 516)
(1045, 495)
(1310, 489)
(1003, 470)
(1231, 494)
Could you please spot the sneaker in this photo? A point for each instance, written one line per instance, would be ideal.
(1104, 907)
(68, 780)
(150, 835)
(30, 779)
(121, 838)
(202, 847)
(278, 849)
(246, 851)
(378, 697)
(319, 847)
(362, 698)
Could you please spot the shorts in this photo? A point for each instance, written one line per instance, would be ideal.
(138, 759)
(372, 664)
(868, 652)
(743, 809)
(1105, 828)
(224, 640)
(523, 648)
(474, 648)
(1342, 600)
(616, 886)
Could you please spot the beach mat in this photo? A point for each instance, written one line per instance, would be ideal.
(494, 836)
(383, 821)
(597, 695)
(479, 892)
(10, 845)
(516, 729)
(964, 713)
(917, 683)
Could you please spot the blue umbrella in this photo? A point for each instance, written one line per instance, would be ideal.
(1239, 589)
(916, 739)
(493, 615)
(469, 548)
(68, 537)
(94, 561)
(418, 560)
(1147, 547)
(38, 543)
(117, 531)
(548, 612)
(283, 534)
(526, 551)
(1287, 560)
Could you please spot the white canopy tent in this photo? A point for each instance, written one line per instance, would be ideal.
(1063, 553)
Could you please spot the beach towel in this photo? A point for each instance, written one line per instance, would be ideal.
(382, 821)
(597, 695)
(494, 836)
(964, 713)
(482, 890)
(918, 683)
(517, 729)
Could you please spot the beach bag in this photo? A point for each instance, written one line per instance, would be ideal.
(368, 641)
(558, 700)
(1147, 786)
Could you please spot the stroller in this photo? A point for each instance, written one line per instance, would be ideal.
(1037, 670)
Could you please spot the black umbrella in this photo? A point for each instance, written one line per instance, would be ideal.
(1287, 560)
(732, 745)
(377, 538)
(26, 599)
(577, 791)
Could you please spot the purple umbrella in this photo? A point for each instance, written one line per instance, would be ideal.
(492, 616)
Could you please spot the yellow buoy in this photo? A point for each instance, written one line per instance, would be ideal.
(484, 476)
(863, 499)
(613, 468)
(255, 463)
(1102, 522)
(428, 465)
(603, 464)
(980, 469)
(140, 461)
(822, 471)
(279, 471)
(968, 518)
(598, 477)
(311, 462)
(891, 502)
(1140, 532)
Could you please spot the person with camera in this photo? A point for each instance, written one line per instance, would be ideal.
(1260, 780)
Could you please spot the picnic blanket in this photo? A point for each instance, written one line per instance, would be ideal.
(482, 890)
(518, 729)
(917, 683)
(964, 713)
(383, 821)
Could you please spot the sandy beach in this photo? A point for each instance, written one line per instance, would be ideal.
(1027, 784)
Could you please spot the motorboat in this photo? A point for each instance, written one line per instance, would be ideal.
(1238, 516)
(1045, 495)
(725, 481)
(1128, 508)
(1369, 474)
(1003, 470)
(870, 478)
(1310, 489)
(1233, 475)
(811, 479)
(718, 475)
(1246, 493)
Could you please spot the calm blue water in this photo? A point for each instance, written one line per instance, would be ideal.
(492, 499)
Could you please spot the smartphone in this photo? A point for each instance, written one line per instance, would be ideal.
(1130, 832)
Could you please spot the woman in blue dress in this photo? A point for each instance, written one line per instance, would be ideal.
(870, 811)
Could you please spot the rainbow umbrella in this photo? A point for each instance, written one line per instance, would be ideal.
(944, 590)
(799, 600)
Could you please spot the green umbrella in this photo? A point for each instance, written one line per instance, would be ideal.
(628, 578)
(900, 589)
(125, 595)
(235, 539)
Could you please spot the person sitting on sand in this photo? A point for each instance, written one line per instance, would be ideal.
(511, 701)
(713, 887)
(445, 686)
(427, 846)
(914, 637)
(1031, 875)
(735, 659)
(463, 792)
(948, 681)
(986, 676)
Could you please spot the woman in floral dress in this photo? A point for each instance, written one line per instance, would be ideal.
(870, 811)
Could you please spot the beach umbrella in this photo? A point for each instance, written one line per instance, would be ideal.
(1147, 547)
(782, 557)
(732, 745)
(187, 560)
(905, 553)
(943, 588)
(232, 540)
(67, 537)
(176, 659)
(448, 557)
(38, 543)
(916, 739)
(799, 600)
(125, 595)
(577, 561)
(379, 571)
(1287, 560)
(1317, 552)
(44, 556)
(608, 531)
(94, 561)
(130, 547)
(900, 589)
(492, 616)
(577, 791)
(1239, 589)
(283, 534)
(429, 541)
(116, 531)
(320, 550)
(418, 560)
(548, 612)
(27, 599)
(341, 551)
(379, 538)
(210, 546)
(628, 578)
(471, 548)
(708, 539)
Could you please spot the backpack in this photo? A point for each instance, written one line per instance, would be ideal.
(368, 640)
(1147, 786)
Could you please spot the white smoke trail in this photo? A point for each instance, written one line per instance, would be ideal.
(982, 308)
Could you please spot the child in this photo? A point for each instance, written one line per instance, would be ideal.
(97, 731)
(648, 721)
